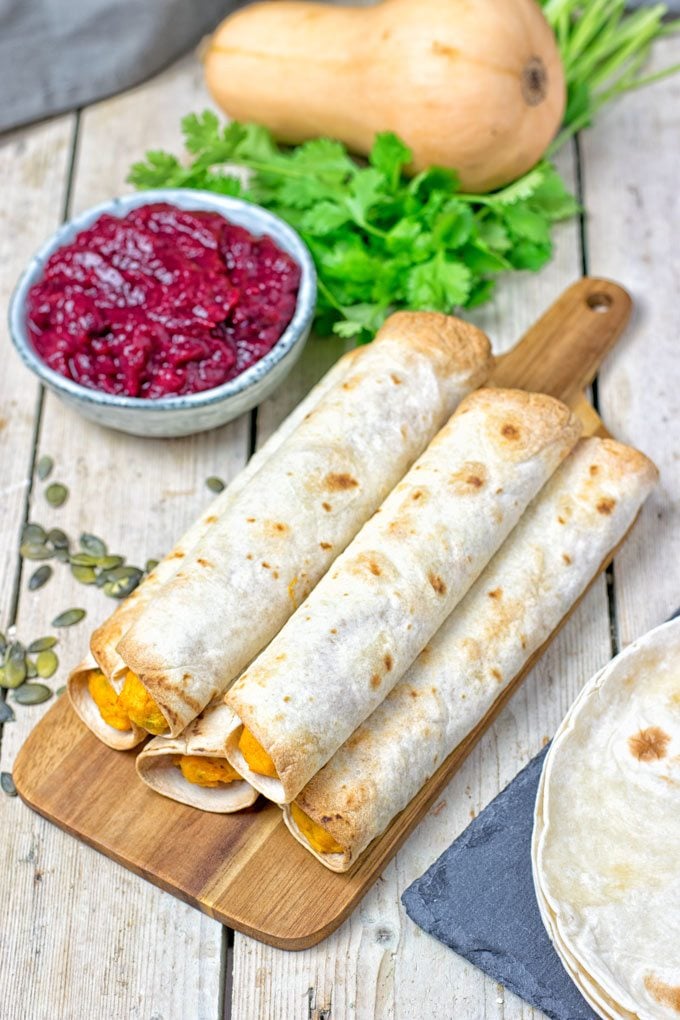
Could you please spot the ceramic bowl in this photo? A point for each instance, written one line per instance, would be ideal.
(196, 412)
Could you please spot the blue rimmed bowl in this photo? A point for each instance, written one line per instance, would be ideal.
(196, 412)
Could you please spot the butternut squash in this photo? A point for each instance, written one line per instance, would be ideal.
(476, 85)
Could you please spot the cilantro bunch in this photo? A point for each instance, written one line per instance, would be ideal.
(380, 241)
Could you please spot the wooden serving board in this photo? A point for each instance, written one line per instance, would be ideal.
(245, 869)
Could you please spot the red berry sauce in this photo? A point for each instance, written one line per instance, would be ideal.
(161, 302)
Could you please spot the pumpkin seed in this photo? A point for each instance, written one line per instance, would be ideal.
(62, 555)
(109, 562)
(41, 644)
(15, 666)
(150, 565)
(102, 578)
(6, 713)
(86, 575)
(83, 559)
(44, 467)
(93, 545)
(47, 664)
(60, 690)
(31, 669)
(7, 784)
(34, 551)
(56, 494)
(214, 483)
(39, 577)
(33, 534)
(58, 538)
(3, 645)
(32, 694)
(122, 581)
(68, 618)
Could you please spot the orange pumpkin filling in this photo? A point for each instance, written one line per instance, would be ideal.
(255, 755)
(140, 707)
(206, 771)
(107, 701)
(317, 837)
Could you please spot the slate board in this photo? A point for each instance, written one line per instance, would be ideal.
(478, 898)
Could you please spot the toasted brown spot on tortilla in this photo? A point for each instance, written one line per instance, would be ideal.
(418, 494)
(179, 555)
(395, 379)
(186, 676)
(325, 545)
(437, 583)
(593, 469)
(389, 661)
(286, 698)
(413, 693)
(339, 481)
(333, 630)
(469, 478)
(204, 563)
(327, 507)
(567, 558)
(374, 568)
(249, 556)
(523, 640)
(275, 575)
(277, 528)
(496, 674)
(211, 519)
(266, 565)
(667, 995)
(350, 383)
(510, 431)
(649, 744)
(404, 431)
(375, 680)
(250, 520)
(561, 520)
(605, 506)
(495, 593)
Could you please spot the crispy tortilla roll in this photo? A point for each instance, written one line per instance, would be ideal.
(283, 530)
(604, 852)
(104, 658)
(531, 583)
(388, 594)
(192, 768)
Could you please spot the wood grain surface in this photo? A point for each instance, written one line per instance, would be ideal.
(245, 869)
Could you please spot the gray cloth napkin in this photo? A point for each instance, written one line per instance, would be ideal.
(56, 55)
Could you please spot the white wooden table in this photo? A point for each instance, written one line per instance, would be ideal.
(80, 937)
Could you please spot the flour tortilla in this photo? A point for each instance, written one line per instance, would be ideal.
(388, 594)
(521, 597)
(105, 638)
(203, 737)
(284, 529)
(607, 831)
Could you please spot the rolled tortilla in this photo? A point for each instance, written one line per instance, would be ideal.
(284, 529)
(388, 594)
(606, 833)
(104, 640)
(158, 765)
(543, 567)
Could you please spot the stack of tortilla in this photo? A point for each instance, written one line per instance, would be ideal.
(606, 844)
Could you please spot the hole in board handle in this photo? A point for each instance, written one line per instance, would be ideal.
(599, 302)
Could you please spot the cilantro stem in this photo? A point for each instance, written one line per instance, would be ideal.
(328, 294)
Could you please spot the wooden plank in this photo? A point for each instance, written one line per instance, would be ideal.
(33, 169)
(247, 860)
(122, 948)
(379, 964)
(632, 230)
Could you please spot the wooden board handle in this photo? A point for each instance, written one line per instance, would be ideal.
(563, 350)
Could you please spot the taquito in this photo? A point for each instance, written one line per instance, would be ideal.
(606, 830)
(103, 670)
(388, 594)
(525, 591)
(192, 769)
(283, 530)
